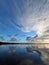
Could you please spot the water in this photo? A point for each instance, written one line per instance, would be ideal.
(18, 53)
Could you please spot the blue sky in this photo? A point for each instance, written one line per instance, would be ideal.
(24, 18)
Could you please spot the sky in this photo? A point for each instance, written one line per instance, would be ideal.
(23, 18)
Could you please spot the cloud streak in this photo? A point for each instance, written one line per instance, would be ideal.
(35, 16)
(27, 15)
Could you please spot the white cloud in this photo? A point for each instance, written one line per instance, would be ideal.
(35, 16)
(32, 15)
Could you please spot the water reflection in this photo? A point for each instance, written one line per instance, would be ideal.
(19, 55)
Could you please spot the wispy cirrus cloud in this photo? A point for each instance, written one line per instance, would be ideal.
(26, 15)
(35, 16)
